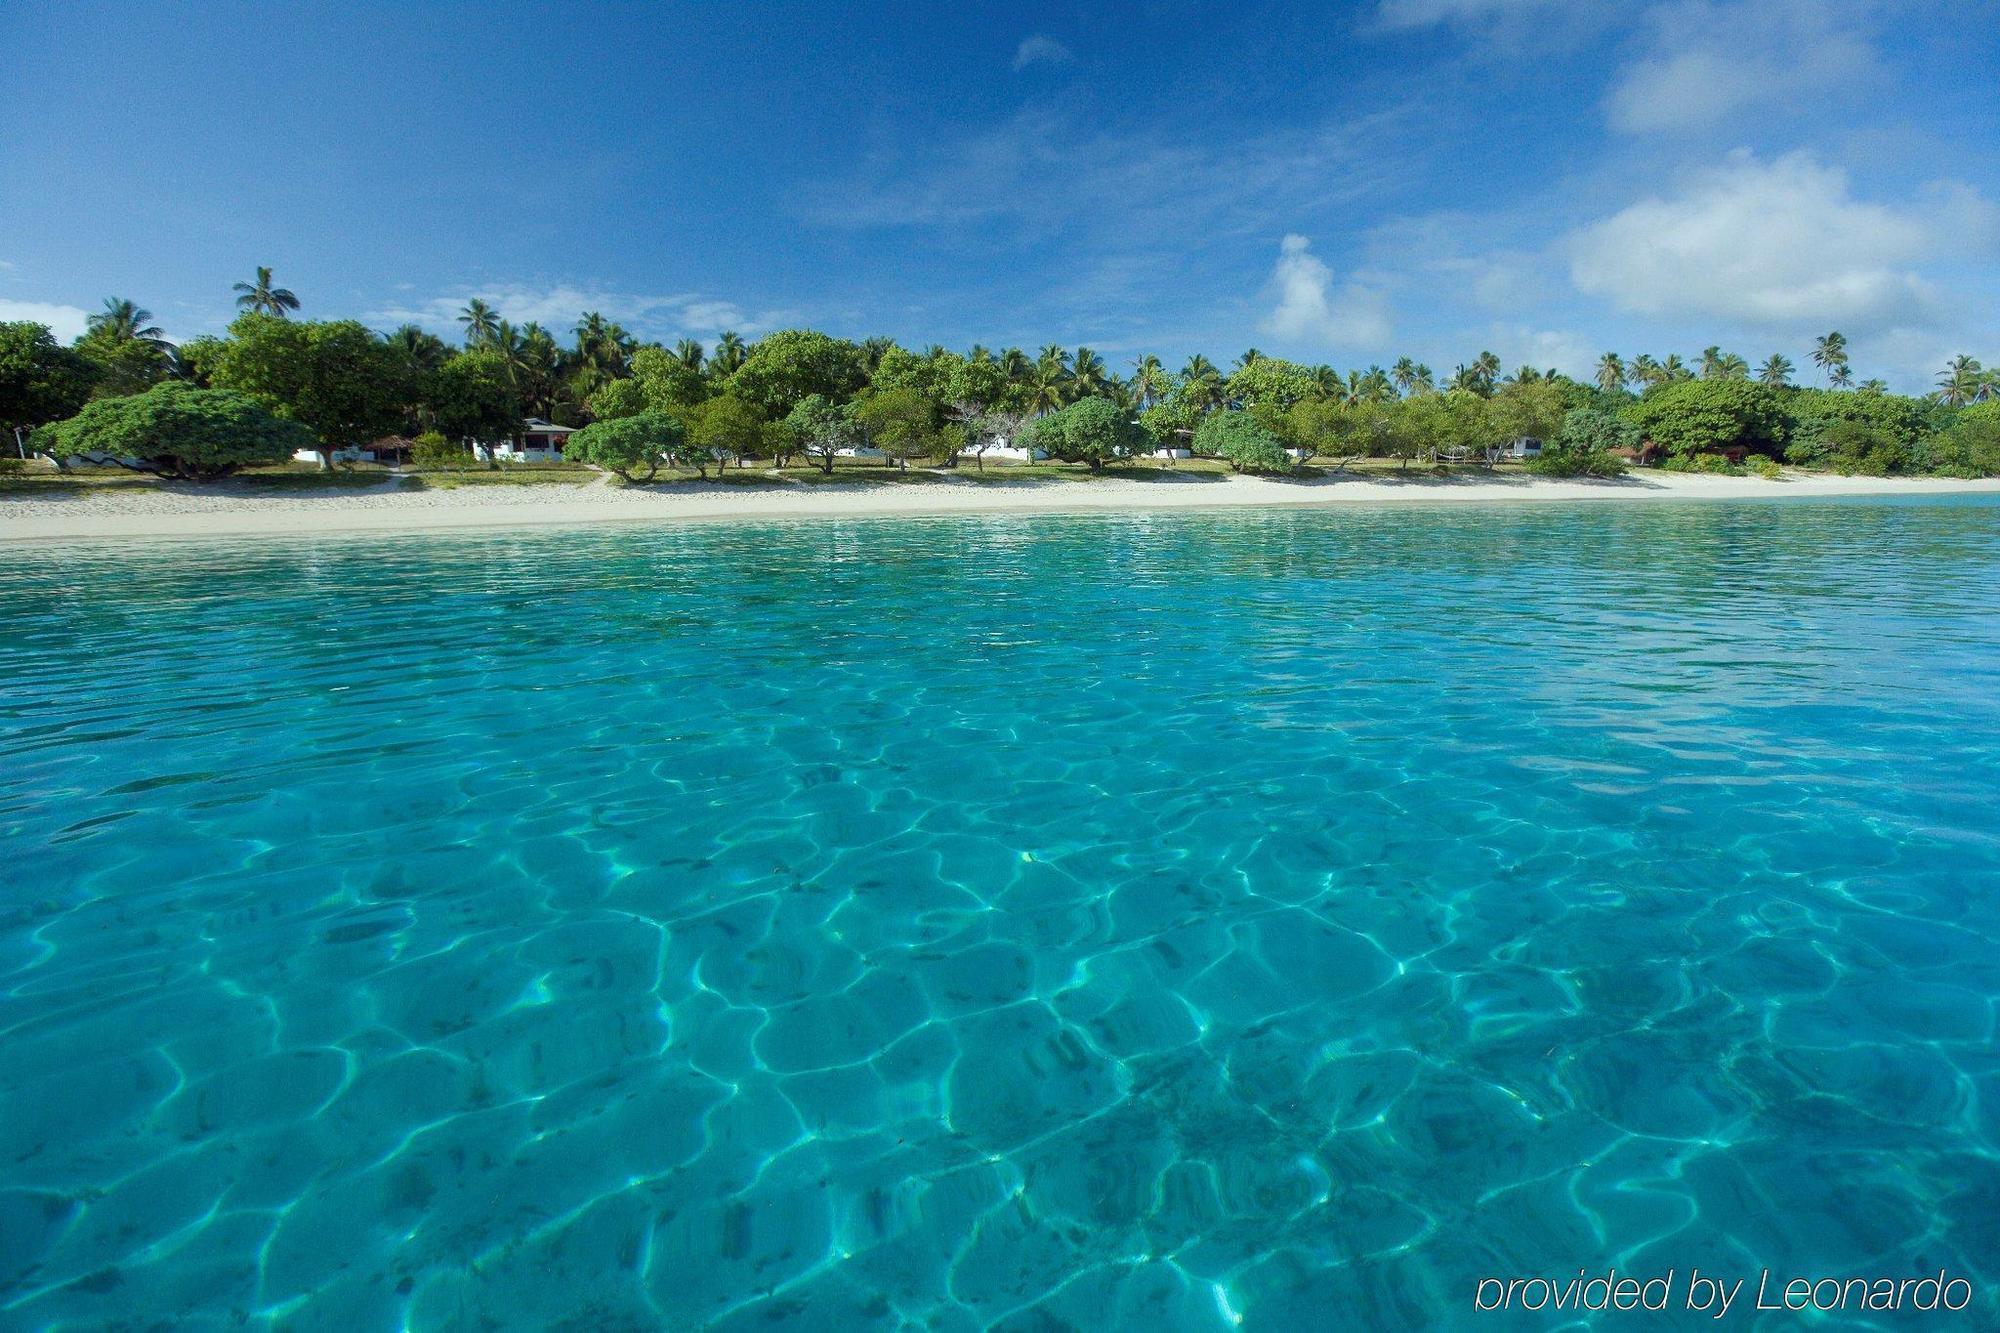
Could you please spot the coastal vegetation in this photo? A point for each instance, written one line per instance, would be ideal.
(276, 383)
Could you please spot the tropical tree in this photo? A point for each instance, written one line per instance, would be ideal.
(1087, 375)
(482, 323)
(1150, 380)
(422, 350)
(40, 379)
(1962, 381)
(470, 398)
(1404, 374)
(1248, 359)
(1201, 386)
(1703, 416)
(179, 430)
(729, 355)
(634, 447)
(690, 353)
(1776, 370)
(1243, 442)
(1830, 355)
(822, 430)
(1091, 431)
(789, 365)
(1646, 372)
(261, 298)
(122, 321)
(1611, 372)
(902, 423)
(339, 379)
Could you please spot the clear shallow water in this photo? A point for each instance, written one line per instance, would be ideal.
(1066, 922)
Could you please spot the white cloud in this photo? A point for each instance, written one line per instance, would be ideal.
(1711, 62)
(1042, 50)
(1309, 311)
(558, 308)
(1779, 245)
(67, 322)
(1544, 349)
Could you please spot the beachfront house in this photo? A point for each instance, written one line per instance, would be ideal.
(1522, 446)
(541, 442)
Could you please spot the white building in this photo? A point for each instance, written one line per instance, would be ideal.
(541, 442)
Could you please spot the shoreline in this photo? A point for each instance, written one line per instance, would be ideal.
(191, 513)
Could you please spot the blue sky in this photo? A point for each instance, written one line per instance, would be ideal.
(1547, 178)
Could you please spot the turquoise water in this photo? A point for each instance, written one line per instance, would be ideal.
(1171, 922)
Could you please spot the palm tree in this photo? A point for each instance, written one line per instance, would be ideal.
(1872, 386)
(422, 350)
(1201, 383)
(872, 350)
(1014, 364)
(1149, 380)
(1464, 379)
(1776, 371)
(263, 298)
(1248, 359)
(1328, 383)
(123, 321)
(1732, 367)
(1048, 386)
(688, 352)
(1611, 372)
(1086, 377)
(729, 353)
(1646, 371)
(1830, 355)
(1425, 381)
(482, 325)
(1487, 367)
(1376, 386)
(1961, 381)
(1404, 373)
(1673, 369)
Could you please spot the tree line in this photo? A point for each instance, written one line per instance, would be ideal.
(276, 384)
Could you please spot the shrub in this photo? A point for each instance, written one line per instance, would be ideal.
(1715, 463)
(1855, 448)
(1692, 417)
(1764, 467)
(434, 453)
(1242, 442)
(1970, 447)
(1565, 462)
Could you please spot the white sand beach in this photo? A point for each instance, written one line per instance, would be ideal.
(224, 509)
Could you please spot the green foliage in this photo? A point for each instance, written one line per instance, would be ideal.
(634, 447)
(667, 382)
(1270, 382)
(470, 397)
(196, 434)
(40, 379)
(1240, 440)
(1535, 409)
(1562, 461)
(1970, 446)
(1591, 430)
(822, 429)
(1767, 468)
(618, 398)
(434, 453)
(1860, 448)
(338, 379)
(1689, 417)
(124, 364)
(902, 423)
(196, 360)
(1092, 431)
(722, 428)
(795, 363)
(1715, 463)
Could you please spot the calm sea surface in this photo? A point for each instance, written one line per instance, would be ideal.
(1276, 920)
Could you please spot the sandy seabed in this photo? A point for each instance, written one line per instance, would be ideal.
(226, 510)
